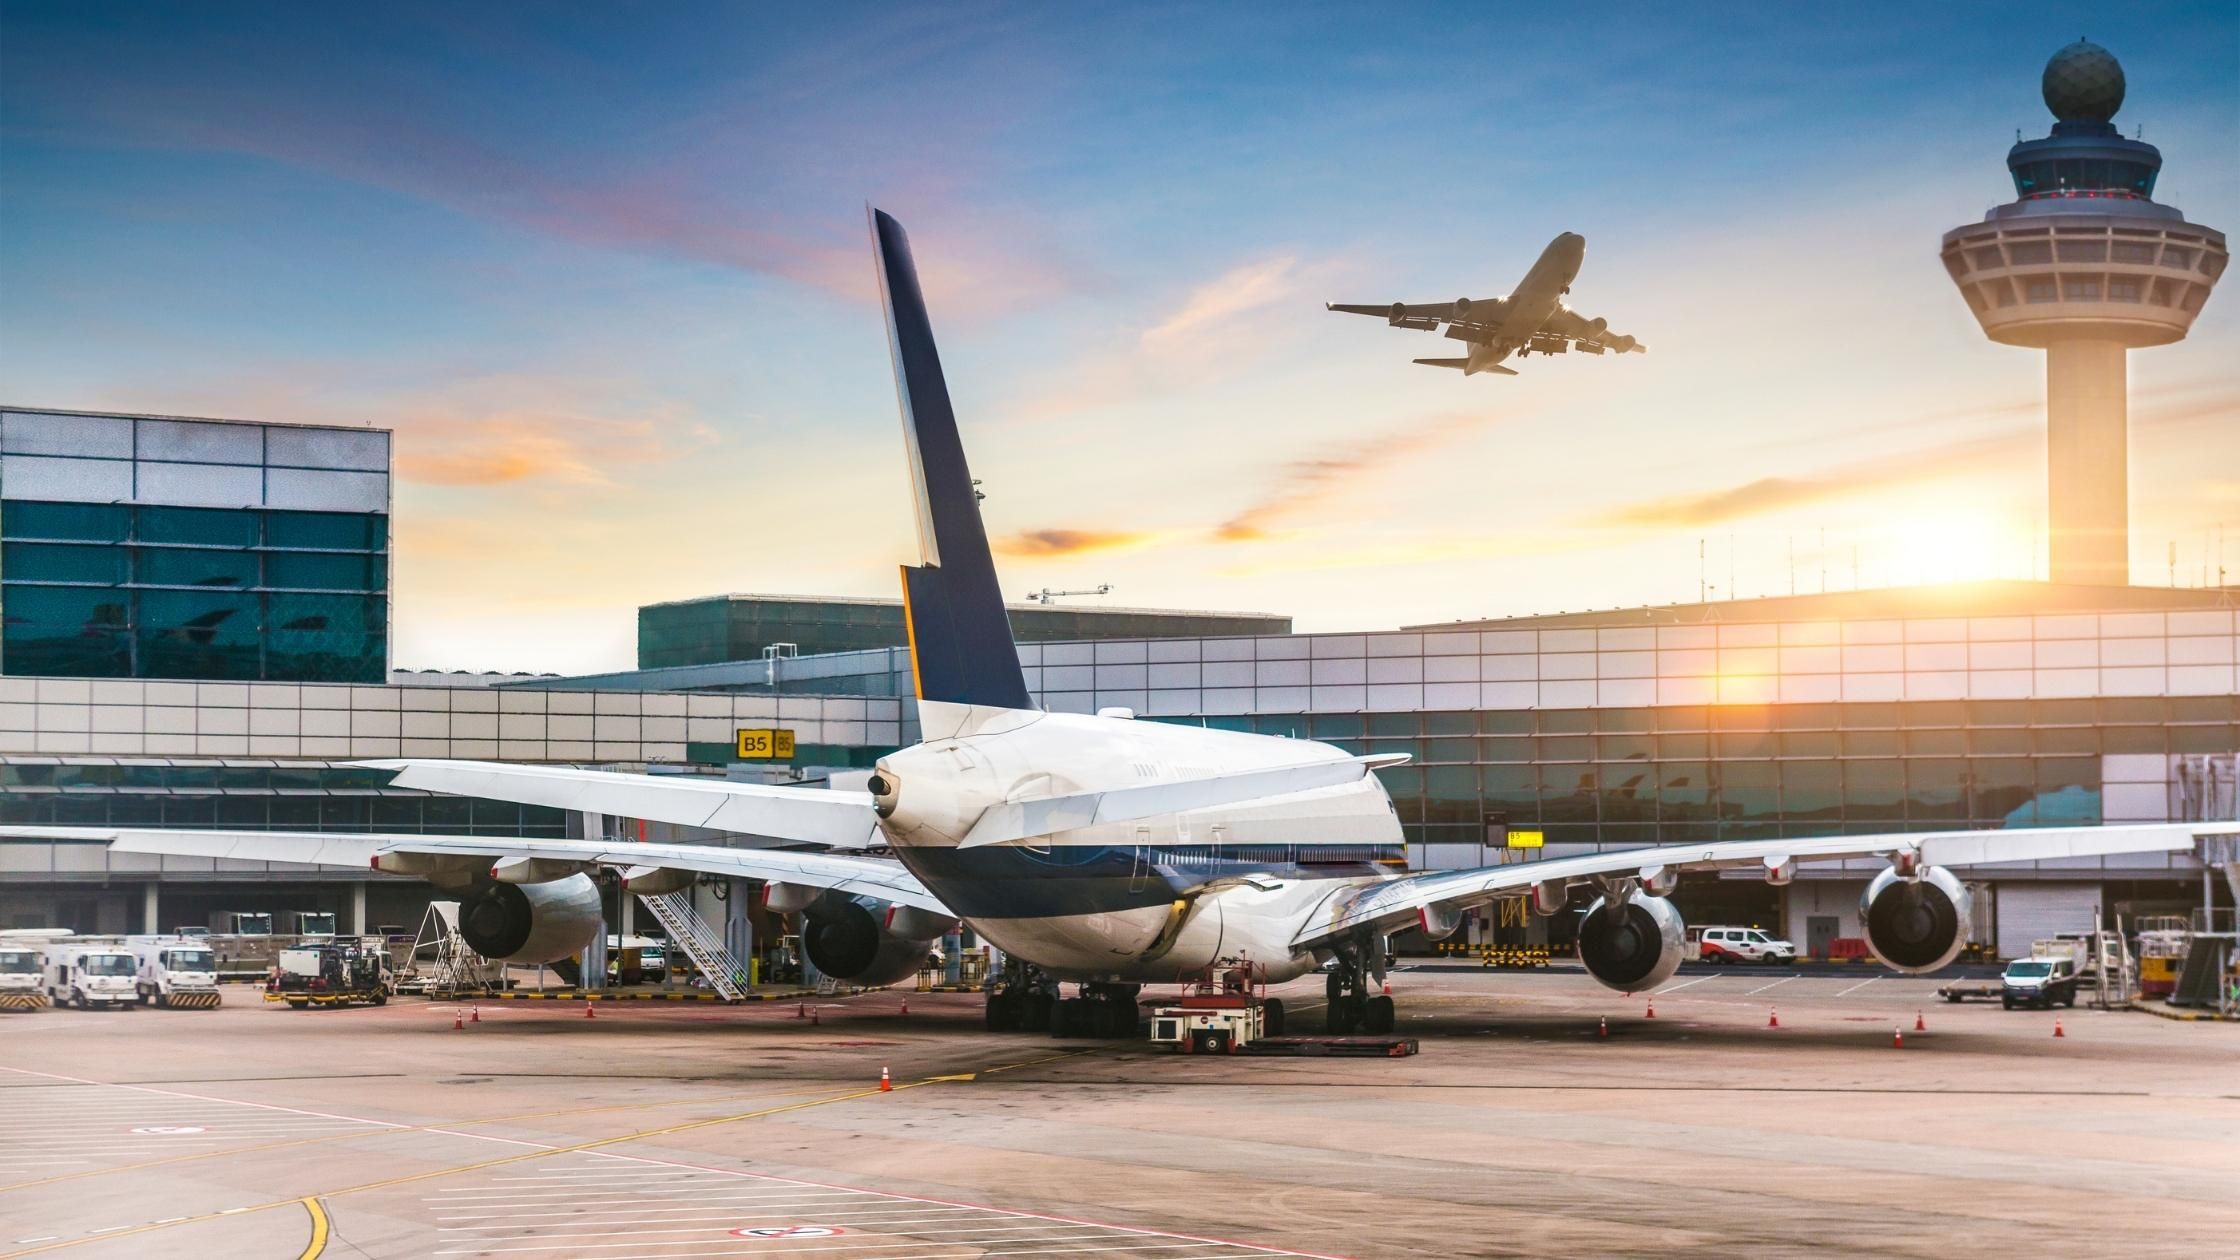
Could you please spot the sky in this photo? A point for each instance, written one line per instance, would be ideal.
(604, 271)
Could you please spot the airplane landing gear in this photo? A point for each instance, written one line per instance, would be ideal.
(1103, 1010)
(1353, 1007)
(1021, 998)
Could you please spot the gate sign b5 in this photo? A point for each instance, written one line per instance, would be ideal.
(765, 744)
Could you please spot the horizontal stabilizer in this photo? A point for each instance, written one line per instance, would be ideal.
(1047, 815)
(1456, 364)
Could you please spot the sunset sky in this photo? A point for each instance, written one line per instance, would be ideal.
(604, 270)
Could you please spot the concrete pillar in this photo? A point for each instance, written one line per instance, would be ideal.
(358, 924)
(2087, 462)
(738, 923)
(150, 894)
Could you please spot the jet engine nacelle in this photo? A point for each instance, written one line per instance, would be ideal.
(1622, 344)
(532, 923)
(869, 942)
(1597, 326)
(1916, 925)
(1633, 947)
(656, 881)
(1462, 308)
(1399, 313)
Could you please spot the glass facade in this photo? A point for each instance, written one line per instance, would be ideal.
(113, 590)
(304, 797)
(738, 627)
(1685, 773)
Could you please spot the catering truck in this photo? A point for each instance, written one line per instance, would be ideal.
(175, 971)
(331, 974)
(19, 977)
(89, 973)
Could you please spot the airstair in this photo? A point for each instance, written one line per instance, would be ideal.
(700, 943)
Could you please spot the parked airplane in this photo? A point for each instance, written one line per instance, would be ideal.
(1533, 317)
(1092, 849)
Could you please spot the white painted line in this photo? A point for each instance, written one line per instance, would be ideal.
(1698, 980)
(823, 1211)
(886, 1240)
(682, 1194)
(1775, 985)
(890, 1246)
(40, 1238)
(1861, 985)
(204, 1098)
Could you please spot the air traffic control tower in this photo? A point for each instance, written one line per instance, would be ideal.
(2085, 265)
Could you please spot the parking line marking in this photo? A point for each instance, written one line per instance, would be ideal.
(1861, 985)
(1775, 985)
(1676, 988)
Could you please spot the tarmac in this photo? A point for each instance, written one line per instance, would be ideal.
(652, 1130)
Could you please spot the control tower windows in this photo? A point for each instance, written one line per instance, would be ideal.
(2029, 253)
(2123, 288)
(2081, 251)
(2043, 291)
(2134, 252)
(2177, 256)
(2106, 175)
(2083, 288)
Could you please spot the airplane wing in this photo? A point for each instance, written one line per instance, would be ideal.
(829, 817)
(849, 873)
(1399, 903)
(1427, 316)
(1590, 332)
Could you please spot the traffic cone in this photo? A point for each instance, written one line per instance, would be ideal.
(1388, 988)
(476, 1016)
(906, 1006)
(456, 1022)
(1773, 1017)
(1919, 1024)
(590, 1011)
(1604, 1030)
(886, 1084)
(1897, 1039)
(1652, 1006)
(801, 1010)
(814, 1019)
(2057, 1027)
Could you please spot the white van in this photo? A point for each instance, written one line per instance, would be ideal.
(1741, 944)
(175, 971)
(85, 976)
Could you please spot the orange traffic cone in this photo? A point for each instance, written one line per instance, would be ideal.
(801, 1010)
(1897, 1039)
(1919, 1024)
(906, 1006)
(476, 1016)
(886, 1085)
(1652, 1006)
(2057, 1027)
(1388, 988)
(590, 1011)
(456, 1022)
(1773, 1017)
(1604, 1030)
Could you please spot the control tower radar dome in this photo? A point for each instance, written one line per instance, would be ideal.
(2085, 265)
(2083, 83)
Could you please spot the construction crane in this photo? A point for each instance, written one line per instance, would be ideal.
(1046, 596)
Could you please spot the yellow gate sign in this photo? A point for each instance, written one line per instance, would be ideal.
(765, 744)
(1524, 839)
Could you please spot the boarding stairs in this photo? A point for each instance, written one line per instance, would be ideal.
(700, 943)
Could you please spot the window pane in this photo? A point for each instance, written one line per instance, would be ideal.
(1567, 794)
(68, 631)
(1694, 747)
(1874, 791)
(1937, 789)
(1401, 725)
(313, 571)
(1812, 791)
(1748, 790)
(1684, 791)
(1936, 743)
(48, 562)
(1999, 742)
(1567, 748)
(209, 527)
(1629, 793)
(2004, 789)
(2068, 791)
(1566, 721)
(1808, 743)
(1871, 743)
(325, 638)
(179, 566)
(91, 522)
(331, 531)
(1626, 747)
(1512, 789)
(1505, 722)
(1336, 725)
(190, 634)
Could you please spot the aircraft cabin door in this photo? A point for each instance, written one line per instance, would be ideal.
(1141, 871)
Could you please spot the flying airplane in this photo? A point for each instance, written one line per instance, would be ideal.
(1533, 317)
(1093, 849)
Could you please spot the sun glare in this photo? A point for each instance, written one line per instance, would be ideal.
(1958, 546)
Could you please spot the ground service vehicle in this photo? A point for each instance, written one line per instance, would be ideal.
(307, 922)
(637, 960)
(176, 971)
(2039, 982)
(89, 975)
(241, 923)
(19, 978)
(1739, 944)
(336, 974)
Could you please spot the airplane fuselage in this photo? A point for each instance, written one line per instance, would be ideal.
(1533, 301)
(1133, 901)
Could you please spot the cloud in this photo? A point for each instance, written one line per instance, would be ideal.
(1236, 291)
(1306, 484)
(1069, 542)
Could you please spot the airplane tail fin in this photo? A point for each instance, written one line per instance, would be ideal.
(1463, 365)
(960, 636)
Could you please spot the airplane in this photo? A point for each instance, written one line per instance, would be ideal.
(1533, 317)
(1096, 850)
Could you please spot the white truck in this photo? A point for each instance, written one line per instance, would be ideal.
(19, 977)
(86, 974)
(175, 971)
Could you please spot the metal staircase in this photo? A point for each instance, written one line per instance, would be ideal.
(701, 943)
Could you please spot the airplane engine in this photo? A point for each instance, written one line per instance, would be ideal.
(1462, 308)
(869, 942)
(1637, 947)
(1598, 326)
(1916, 925)
(1399, 313)
(1622, 343)
(532, 923)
